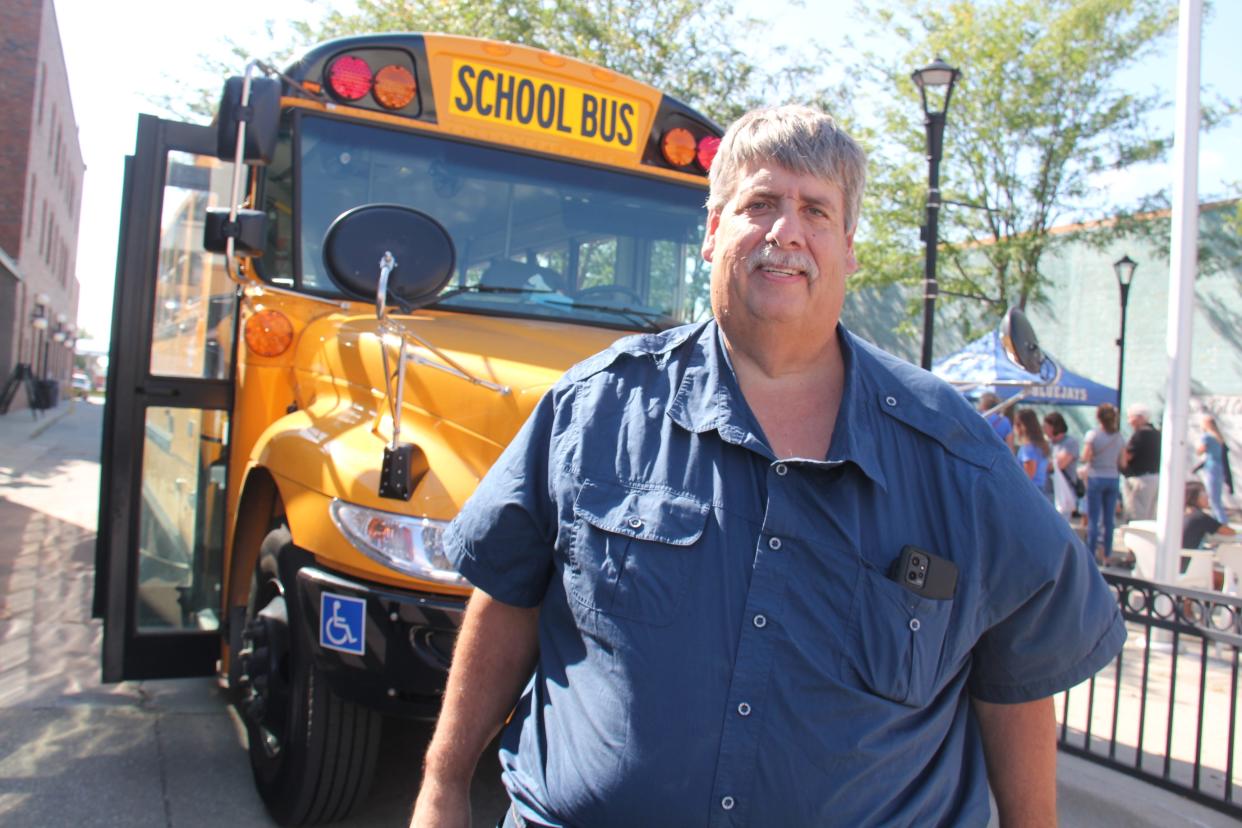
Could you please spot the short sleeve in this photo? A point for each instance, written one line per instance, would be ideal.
(501, 540)
(1052, 621)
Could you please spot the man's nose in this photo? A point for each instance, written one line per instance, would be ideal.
(786, 230)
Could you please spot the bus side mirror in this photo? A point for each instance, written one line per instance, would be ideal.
(249, 230)
(421, 250)
(262, 117)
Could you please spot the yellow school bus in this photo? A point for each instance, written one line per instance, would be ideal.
(335, 307)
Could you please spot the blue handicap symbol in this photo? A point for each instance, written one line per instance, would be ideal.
(342, 623)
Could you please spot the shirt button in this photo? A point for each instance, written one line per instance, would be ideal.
(890, 400)
(727, 803)
(760, 621)
(774, 544)
(914, 625)
(743, 709)
(635, 523)
(781, 469)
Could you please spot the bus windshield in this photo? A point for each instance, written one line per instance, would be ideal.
(535, 237)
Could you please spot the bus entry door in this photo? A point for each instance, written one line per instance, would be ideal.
(166, 425)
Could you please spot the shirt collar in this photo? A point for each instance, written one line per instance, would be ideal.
(709, 398)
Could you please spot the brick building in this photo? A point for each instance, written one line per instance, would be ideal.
(41, 172)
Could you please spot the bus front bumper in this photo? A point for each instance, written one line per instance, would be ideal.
(386, 649)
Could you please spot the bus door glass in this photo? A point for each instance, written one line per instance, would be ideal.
(166, 435)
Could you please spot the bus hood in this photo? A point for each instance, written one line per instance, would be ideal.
(459, 425)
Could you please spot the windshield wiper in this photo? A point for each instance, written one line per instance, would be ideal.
(651, 320)
(460, 289)
(644, 319)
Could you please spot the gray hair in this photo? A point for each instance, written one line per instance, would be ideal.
(798, 138)
(1139, 410)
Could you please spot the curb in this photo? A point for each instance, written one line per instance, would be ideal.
(53, 420)
(58, 414)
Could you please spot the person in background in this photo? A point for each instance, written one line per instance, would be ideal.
(1196, 523)
(1140, 463)
(1065, 451)
(1211, 447)
(1100, 454)
(1033, 451)
(997, 419)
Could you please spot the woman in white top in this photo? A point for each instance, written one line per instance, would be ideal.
(1101, 449)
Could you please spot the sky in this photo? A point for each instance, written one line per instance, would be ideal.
(119, 53)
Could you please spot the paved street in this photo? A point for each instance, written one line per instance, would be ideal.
(74, 752)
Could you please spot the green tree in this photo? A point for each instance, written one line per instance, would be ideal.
(1035, 117)
(695, 51)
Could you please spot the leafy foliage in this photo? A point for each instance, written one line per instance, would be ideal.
(1035, 117)
(695, 51)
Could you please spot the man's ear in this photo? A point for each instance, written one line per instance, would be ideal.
(709, 239)
(851, 261)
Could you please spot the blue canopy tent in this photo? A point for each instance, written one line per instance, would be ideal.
(984, 366)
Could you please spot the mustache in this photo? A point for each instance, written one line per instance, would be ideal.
(770, 256)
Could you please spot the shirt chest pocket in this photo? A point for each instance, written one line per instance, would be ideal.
(634, 550)
(897, 639)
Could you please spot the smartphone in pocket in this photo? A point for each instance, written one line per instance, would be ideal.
(925, 574)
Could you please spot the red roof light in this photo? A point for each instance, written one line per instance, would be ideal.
(349, 77)
(708, 145)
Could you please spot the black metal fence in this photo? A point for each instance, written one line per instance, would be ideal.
(1166, 710)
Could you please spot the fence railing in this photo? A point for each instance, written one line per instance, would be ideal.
(1166, 710)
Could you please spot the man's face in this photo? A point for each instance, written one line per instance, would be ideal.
(779, 253)
(1134, 420)
(1049, 433)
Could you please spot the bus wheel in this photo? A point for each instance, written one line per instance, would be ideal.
(312, 753)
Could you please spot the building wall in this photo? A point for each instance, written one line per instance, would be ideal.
(41, 173)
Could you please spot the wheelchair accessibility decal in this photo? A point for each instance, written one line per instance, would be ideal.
(342, 623)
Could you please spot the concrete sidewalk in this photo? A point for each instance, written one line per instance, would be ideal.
(74, 751)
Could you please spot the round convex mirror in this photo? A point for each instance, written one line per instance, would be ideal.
(358, 239)
(1020, 342)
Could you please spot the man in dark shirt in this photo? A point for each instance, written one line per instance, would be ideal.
(1140, 463)
(684, 562)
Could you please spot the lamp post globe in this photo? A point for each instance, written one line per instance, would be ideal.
(1123, 268)
(933, 77)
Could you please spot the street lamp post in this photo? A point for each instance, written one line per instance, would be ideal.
(1124, 268)
(39, 322)
(935, 75)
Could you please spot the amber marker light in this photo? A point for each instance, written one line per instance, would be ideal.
(708, 146)
(678, 147)
(269, 333)
(394, 86)
(349, 77)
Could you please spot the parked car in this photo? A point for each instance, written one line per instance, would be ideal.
(81, 385)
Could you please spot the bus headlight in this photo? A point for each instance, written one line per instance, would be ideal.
(410, 545)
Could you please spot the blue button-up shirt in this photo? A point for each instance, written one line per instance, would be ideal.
(720, 641)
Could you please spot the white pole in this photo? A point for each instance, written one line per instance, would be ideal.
(1183, 265)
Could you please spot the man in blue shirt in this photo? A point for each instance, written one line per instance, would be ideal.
(686, 558)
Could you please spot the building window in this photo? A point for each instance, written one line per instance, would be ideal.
(43, 228)
(42, 89)
(34, 190)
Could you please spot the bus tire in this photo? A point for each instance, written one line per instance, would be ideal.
(312, 753)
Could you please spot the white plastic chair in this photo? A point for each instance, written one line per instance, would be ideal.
(1230, 557)
(1141, 542)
